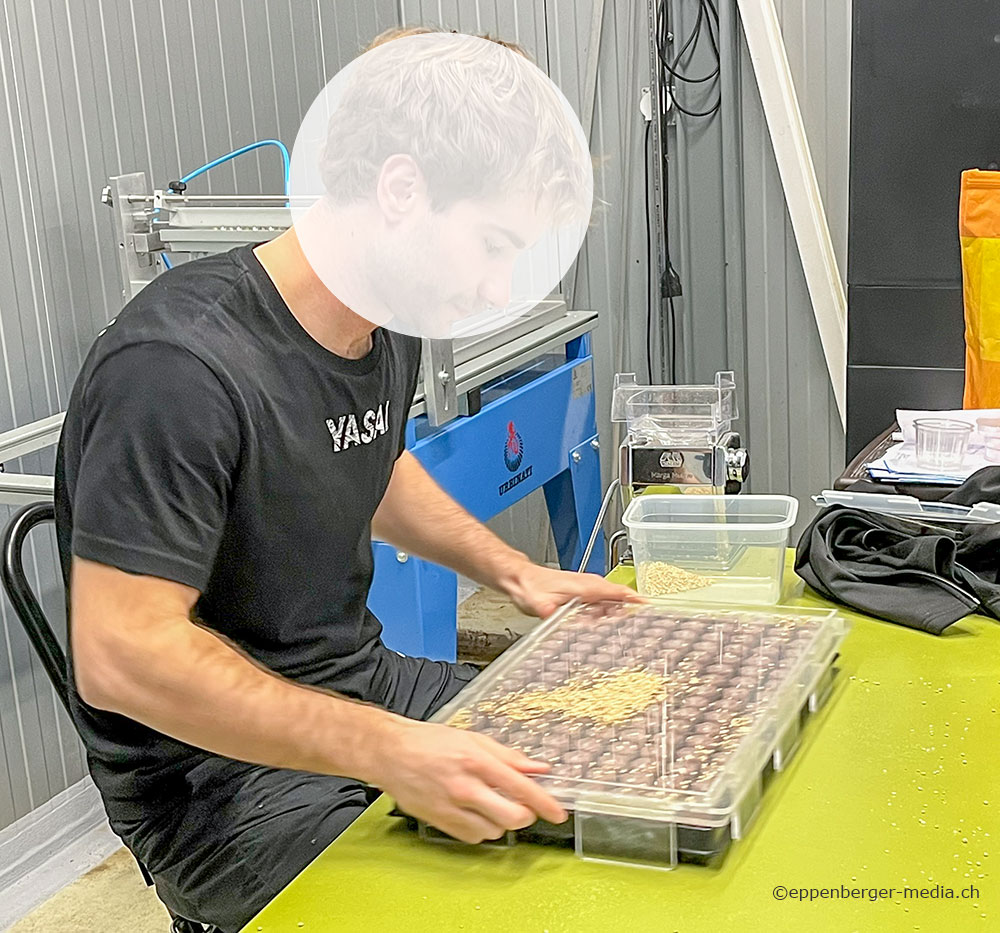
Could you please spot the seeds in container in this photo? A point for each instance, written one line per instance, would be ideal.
(658, 578)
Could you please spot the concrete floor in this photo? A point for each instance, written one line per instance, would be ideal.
(110, 897)
(113, 895)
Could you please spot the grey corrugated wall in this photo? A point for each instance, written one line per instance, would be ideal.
(611, 280)
(745, 304)
(89, 90)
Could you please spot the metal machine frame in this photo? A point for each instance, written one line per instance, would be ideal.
(689, 447)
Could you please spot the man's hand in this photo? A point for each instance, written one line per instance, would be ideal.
(540, 591)
(463, 783)
(417, 516)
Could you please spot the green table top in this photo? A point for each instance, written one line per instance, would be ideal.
(894, 785)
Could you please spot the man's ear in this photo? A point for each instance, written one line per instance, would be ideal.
(401, 188)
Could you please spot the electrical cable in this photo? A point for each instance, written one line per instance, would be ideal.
(671, 67)
(649, 260)
(674, 70)
(670, 273)
(708, 15)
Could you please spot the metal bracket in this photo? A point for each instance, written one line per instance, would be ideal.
(646, 103)
(615, 555)
(136, 266)
(147, 242)
(440, 392)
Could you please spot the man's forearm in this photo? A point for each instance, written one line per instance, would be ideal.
(417, 516)
(188, 683)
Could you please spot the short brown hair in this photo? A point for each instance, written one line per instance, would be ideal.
(473, 103)
(400, 32)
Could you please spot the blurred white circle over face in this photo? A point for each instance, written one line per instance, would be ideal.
(440, 185)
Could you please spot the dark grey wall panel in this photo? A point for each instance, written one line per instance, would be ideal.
(926, 106)
(875, 392)
(896, 326)
(89, 90)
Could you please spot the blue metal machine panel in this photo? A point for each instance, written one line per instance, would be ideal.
(515, 444)
(536, 429)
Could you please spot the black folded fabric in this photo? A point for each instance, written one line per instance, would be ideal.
(924, 577)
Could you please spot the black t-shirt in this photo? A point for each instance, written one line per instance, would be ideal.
(211, 441)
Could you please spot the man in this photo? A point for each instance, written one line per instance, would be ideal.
(238, 706)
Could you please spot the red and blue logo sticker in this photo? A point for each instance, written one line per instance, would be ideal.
(513, 450)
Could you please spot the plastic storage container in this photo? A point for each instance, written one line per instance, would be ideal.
(989, 430)
(710, 548)
(662, 724)
(942, 443)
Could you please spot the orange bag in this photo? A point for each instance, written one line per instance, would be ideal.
(979, 229)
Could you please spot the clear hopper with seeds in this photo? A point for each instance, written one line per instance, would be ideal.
(678, 440)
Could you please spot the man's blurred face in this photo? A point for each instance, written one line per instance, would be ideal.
(433, 269)
(485, 132)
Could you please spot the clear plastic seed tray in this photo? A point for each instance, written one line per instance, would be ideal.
(662, 723)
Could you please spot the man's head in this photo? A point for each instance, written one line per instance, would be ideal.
(465, 155)
(401, 32)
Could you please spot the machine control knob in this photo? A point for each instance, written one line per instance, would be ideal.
(737, 464)
(178, 187)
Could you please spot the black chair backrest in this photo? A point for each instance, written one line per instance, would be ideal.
(23, 599)
(40, 633)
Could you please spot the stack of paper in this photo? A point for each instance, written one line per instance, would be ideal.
(899, 465)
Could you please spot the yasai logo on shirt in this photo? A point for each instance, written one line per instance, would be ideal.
(355, 430)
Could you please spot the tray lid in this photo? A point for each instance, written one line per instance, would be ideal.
(982, 513)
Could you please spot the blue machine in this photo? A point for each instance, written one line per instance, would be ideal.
(536, 428)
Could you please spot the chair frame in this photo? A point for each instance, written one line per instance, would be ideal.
(43, 638)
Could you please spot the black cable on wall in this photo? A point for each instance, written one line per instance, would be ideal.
(674, 73)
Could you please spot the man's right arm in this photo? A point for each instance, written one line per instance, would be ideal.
(137, 653)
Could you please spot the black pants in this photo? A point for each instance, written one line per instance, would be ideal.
(245, 831)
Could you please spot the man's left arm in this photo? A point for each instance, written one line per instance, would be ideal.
(419, 517)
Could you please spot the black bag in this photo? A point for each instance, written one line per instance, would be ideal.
(917, 574)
